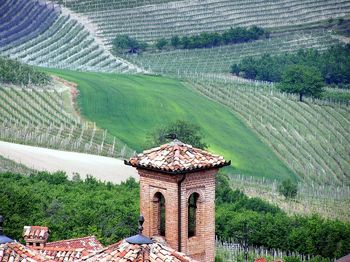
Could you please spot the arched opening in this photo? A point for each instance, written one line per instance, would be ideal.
(192, 214)
(159, 214)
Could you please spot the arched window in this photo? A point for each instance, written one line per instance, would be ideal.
(192, 214)
(159, 214)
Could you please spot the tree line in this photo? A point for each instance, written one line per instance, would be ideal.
(73, 208)
(14, 72)
(127, 44)
(333, 65)
(304, 72)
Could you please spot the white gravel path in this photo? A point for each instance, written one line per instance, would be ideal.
(103, 168)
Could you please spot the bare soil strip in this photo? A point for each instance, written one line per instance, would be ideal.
(102, 168)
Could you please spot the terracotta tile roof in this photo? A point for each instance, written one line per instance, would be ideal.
(15, 251)
(90, 243)
(64, 254)
(123, 251)
(36, 232)
(176, 157)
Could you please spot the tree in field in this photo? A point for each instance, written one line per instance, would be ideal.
(175, 41)
(126, 44)
(288, 189)
(161, 43)
(302, 80)
(186, 132)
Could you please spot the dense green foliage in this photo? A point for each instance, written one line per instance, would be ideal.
(14, 72)
(207, 40)
(288, 189)
(125, 44)
(268, 226)
(161, 43)
(185, 131)
(79, 208)
(131, 106)
(334, 65)
(69, 208)
(302, 80)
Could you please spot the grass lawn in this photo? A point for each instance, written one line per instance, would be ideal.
(130, 106)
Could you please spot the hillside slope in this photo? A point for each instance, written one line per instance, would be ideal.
(42, 34)
(156, 20)
(131, 106)
(312, 137)
(45, 117)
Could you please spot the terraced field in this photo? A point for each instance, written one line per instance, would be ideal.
(100, 5)
(312, 138)
(59, 41)
(151, 20)
(131, 106)
(41, 118)
(220, 59)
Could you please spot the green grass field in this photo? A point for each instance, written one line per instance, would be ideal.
(130, 106)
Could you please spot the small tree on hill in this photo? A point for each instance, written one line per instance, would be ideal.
(302, 80)
(126, 44)
(161, 43)
(288, 189)
(175, 41)
(186, 132)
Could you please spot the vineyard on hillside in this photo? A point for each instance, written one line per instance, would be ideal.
(312, 138)
(39, 117)
(60, 41)
(151, 20)
(220, 59)
(330, 201)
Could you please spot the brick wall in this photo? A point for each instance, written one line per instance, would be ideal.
(201, 246)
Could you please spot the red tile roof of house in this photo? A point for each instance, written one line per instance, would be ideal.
(90, 243)
(176, 157)
(64, 254)
(36, 232)
(15, 251)
(123, 251)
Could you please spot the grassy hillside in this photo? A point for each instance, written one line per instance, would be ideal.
(130, 106)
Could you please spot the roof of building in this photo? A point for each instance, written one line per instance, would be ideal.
(177, 157)
(64, 254)
(36, 232)
(344, 259)
(90, 243)
(123, 251)
(15, 251)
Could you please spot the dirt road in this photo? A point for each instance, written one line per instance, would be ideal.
(103, 168)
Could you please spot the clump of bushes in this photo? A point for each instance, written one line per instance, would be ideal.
(207, 40)
(14, 72)
(333, 65)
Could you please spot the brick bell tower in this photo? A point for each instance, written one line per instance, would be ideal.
(177, 195)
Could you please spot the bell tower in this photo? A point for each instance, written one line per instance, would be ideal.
(177, 196)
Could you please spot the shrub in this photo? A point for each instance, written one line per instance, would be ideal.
(14, 72)
(288, 189)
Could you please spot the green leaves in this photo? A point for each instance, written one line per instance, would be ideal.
(186, 132)
(303, 80)
(70, 209)
(14, 72)
(332, 64)
(126, 44)
(288, 189)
